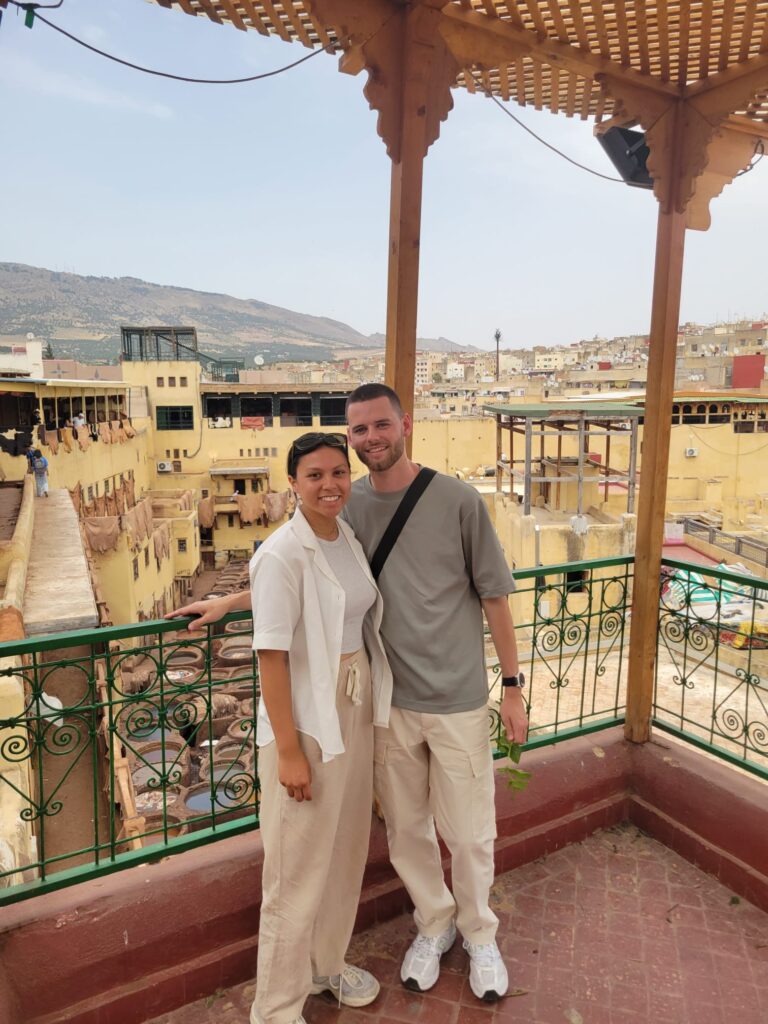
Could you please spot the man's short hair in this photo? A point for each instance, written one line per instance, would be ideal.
(370, 392)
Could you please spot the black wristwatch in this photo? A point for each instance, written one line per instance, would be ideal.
(517, 681)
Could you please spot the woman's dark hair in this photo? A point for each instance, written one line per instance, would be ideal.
(311, 442)
(38, 453)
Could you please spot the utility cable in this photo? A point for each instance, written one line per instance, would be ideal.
(606, 177)
(166, 74)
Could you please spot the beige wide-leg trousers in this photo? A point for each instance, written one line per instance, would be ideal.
(438, 769)
(314, 856)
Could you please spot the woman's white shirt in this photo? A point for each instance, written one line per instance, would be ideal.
(298, 607)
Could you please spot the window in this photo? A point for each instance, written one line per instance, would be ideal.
(230, 521)
(273, 452)
(575, 582)
(748, 427)
(90, 494)
(182, 382)
(176, 465)
(160, 382)
(146, 558)
(175, 417)
(257, 452)
(175, 453)
(185, 453)
(182, 546)
(295, 412)
(257, 406)
(171, 382)
(135, 568)
(239, 486)
(332, 412)
(167, 453)
(241, 453)
(106, 486)
(205, 492)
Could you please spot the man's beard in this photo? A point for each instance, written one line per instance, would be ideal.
(388, 458)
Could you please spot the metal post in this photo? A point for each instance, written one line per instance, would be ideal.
(631, 484)
(528, 456)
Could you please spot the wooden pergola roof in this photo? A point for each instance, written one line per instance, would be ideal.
(552, 53)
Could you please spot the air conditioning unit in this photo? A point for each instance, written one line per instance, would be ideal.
(165, 467)
(691, 453)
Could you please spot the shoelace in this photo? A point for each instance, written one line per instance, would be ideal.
(350, 973)
(485, 955)
(425, 945)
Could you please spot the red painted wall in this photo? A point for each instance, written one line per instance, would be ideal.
(748, 371)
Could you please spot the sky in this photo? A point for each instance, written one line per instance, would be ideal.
(279, 190)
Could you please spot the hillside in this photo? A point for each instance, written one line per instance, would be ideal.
(81, 316)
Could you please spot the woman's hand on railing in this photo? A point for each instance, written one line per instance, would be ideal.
(210, 611)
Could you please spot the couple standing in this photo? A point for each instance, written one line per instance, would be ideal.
(326, 637)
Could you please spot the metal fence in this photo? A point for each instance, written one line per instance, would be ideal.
(119, 744)
(711, 685)
(743, 547)
(571, 622)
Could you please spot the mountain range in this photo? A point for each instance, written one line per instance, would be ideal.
(81, 317)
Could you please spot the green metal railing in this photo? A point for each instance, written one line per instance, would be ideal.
(570, 625)
(711, 684)
(125, 744)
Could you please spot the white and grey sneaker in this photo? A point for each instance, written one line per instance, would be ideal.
(488, 976)
(353, 987)
(421, 964)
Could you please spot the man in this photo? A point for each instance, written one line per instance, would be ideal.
(434, 762)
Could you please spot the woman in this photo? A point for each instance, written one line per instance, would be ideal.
(316, 612)
(40, 469)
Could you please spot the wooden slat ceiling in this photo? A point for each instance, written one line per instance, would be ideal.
(678, 42)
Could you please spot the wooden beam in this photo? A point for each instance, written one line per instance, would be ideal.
(475, 38)
(665, 316)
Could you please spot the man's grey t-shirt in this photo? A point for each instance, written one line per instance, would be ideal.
(446, 558)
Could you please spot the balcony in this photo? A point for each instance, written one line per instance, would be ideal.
(123, 746)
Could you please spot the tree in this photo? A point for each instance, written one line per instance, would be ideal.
(437, 378)
(48, 352)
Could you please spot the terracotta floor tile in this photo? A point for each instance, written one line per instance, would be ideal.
(590, 933)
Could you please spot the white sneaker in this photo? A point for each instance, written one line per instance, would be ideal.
(421, 964)
(488, 976)
(256, 1018)
(353, 987)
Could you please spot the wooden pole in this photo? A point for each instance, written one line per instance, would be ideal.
(665, 317)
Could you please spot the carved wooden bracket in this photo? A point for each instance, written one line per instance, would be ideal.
(410, 68)
(693, 154)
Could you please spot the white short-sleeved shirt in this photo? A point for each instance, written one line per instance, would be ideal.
(298, 607)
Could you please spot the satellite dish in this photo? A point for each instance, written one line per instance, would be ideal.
(259, 360)
(30, 336)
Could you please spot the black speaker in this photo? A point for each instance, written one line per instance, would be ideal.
(628, 153)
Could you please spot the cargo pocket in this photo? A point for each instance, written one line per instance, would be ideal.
(484, 793)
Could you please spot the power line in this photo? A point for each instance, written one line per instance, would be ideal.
(521, 124)
(166, 74)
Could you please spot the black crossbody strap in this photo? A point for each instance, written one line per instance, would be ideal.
(407, 504)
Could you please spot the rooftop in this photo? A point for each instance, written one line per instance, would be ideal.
(579, 948)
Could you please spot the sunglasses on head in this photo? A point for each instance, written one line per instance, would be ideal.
(309, 442)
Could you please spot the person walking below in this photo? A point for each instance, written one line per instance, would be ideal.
(40, 469)
(434, 763)
(325, 682)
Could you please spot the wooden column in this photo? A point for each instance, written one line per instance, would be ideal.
(403, 274)
(665, 316)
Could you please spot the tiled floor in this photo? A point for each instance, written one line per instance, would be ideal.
(614, 930)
